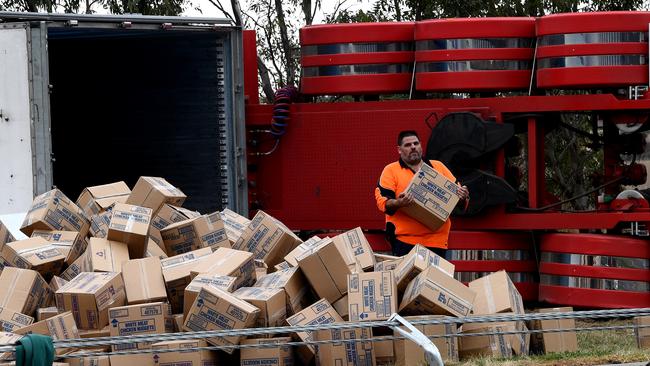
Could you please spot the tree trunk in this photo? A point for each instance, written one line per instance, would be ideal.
(267, 88)
(286, 44)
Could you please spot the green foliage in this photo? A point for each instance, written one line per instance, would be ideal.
(414, 10)
(145, 7)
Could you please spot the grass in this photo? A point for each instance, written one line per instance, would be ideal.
(594, 348)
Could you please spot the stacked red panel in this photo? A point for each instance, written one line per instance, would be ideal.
(595, 271)
(592, 50)
(474, 54)
(354, 59)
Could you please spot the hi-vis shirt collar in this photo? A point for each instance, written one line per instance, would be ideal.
(405, 166)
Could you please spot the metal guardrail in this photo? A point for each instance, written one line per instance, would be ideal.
(112, 341)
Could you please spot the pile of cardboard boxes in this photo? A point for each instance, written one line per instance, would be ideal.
(120, 262)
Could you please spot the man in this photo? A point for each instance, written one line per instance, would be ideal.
(402, 230)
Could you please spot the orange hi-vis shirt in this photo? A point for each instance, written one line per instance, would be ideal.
(393, 181)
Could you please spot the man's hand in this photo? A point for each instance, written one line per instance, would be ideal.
(404, 199)
(463, 193)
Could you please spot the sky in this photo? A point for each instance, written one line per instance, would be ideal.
(328, 6)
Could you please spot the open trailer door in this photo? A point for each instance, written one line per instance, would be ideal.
(25, 163)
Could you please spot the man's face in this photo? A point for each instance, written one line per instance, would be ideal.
(410, 150)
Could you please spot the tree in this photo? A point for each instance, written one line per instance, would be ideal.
(145, 7)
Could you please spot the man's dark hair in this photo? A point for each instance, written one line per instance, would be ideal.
(406, 133)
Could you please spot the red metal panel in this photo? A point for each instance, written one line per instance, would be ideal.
(472, 80)
(590, 298)
(356, 84)
(628, 274)
(325, 170)
(495, 266)
(358, 59)
(529, 291)
(592, 49)
(607, 21)
(496, 27)
(356, 33)
(250, 67)
(594, 244)
(475, 54)
(467, 240)
(593, 76)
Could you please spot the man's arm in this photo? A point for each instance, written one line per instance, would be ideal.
(387, 202)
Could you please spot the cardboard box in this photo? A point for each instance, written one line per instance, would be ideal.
(379, 257)
(384, 352)
(544, 343)
(435, 292)
(434, 197)
(281, 355)
(341, 307)
(11, 320)
(229, 262)
(8, 338)
(23, 290)
(327, 271)
(235, 224)
(268, 239)
(356, 242)
(61, 326)
(130, 225)
(388, 265)
(151, 318)
(183, 357)
(409, 353)
(56, 283)
(142, 359)
(143, 281)
(355, 347)
(320, 312)
(495, 293)
(294, 284)
(261, 269)
(34, 253)
(52, 210)
(642, 334)
(215, 309)
(416, 261)
(176, 273)
(271, 302)
(5, 235)
(178, 322)
(282, 265)
(496, 345)
(99, 224)
(154, 250)
(153, 192)
(96, 199)
(301, 250)
(371, 296)
(46, 313)
(205, 231)
(95, 333)
(225, 283)
(88, 360)
(101, 256)
(89, 295)
(167, 215)
(70, 241)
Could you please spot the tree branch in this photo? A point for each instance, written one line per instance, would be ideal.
(219, 6)
(267, 88)
(286, 44)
